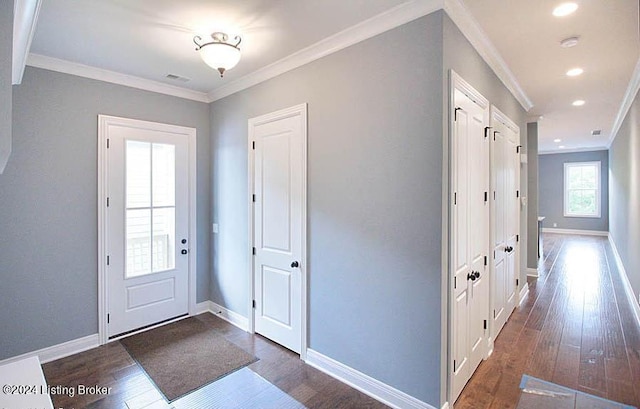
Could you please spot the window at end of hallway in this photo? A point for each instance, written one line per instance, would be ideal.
(582, 189)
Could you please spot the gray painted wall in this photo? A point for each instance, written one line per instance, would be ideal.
(48, 209)
(551, 182)
(6, 47)
(374, 202)
(624, 191)
(460, 56)
(532, 195)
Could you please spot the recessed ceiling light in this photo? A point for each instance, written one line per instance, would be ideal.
(574, 72)
(561, 147)
(557, 140)
(565, 9)
(569, 42)
(578, 103)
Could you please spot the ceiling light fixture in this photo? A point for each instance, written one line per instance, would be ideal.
(578, 103)
(557, 140)
(574, 72)
(569, 42)
(219, 53)
(565, 9)
(561, 147)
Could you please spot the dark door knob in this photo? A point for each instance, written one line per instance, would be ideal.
(294, 264)
(477, 274)
(471, 276)
(183, 241)
(184, 251)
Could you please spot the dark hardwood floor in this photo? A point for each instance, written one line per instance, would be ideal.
(576, 329)
(111, 366)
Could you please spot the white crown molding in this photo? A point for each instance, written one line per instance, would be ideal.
(25, 18)
(627, 101)
(480, 41)
(86, 71)
(575, 150)
(388, 20)
(63, 350)
(380, 391)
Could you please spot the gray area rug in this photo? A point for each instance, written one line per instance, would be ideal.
(184, 356)
(539, 394)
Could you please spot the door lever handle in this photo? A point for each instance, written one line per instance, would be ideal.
(472, 276)
(294, 264)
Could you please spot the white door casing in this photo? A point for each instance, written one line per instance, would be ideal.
(505, 231)
(146, 224)
(277, 161)
(469, 232)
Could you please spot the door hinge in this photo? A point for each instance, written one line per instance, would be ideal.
(517, 282)
(518, 148)
(486, 131)
(517, 193)
(517, 237)
(455, 114)
(454, 365)
(494, 254)
(494, 313)
(253, 144)
(108, 318)
(485, 260)
(253, 304)
(486, 196)
(254, 251)
(455, 198)
(254, 198)
(107, 202)
(485, 324)
(494, 134)
(455, 282)
(108, 259)
(107, 144)
(494, 195)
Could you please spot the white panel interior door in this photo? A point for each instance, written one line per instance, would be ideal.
(147, 225)
(470, 236)
(279, 226)
(505, 215)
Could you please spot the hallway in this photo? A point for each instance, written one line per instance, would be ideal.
(576, 328)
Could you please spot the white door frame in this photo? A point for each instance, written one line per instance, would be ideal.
(455, 82)
(104, 122)
(270, 117)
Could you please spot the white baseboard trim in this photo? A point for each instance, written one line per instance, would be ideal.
(533, 272)
(635, 302)
(575, 231)
(219, 311)
(380, 391)
(59, 351)
(524, 291)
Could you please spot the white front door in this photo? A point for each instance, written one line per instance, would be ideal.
(469, 235)
(505, 181)
(279, 163)
(147, 223)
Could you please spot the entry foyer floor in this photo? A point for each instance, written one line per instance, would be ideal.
(576, 329)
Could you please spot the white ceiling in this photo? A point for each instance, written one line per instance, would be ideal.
(152, 38)
(528, 37)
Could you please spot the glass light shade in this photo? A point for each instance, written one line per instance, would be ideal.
(220, 56)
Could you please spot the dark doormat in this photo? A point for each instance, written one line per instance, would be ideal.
(184, 356)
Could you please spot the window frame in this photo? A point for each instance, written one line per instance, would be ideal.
(598, 166)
